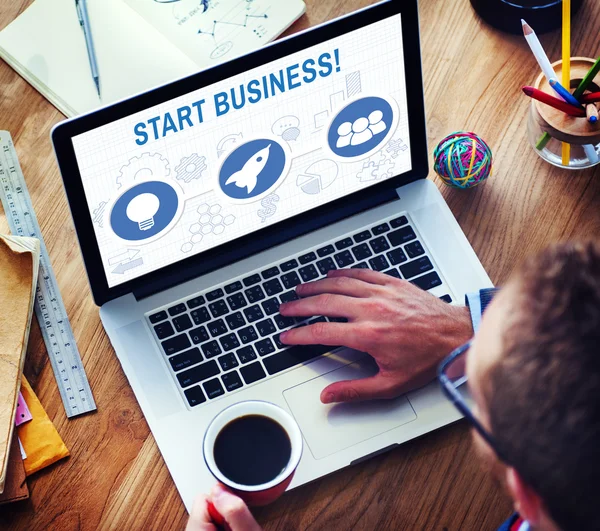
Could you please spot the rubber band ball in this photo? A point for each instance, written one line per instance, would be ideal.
(463, 160)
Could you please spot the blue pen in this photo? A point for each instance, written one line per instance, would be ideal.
(84, 20)
(564, 93)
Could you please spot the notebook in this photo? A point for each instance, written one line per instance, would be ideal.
(139, 44)
(19, 262)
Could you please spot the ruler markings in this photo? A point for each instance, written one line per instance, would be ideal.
(50, 310)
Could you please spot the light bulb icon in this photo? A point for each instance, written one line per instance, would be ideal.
(142, 210)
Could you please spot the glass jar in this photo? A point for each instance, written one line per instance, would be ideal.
(548, 128)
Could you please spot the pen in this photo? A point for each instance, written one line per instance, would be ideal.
(84, 20)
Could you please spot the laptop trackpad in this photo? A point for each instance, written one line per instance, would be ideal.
(329, 428)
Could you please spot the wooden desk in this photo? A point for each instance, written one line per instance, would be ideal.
(116, 479)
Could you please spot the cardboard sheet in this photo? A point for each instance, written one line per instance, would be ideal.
(19, 260)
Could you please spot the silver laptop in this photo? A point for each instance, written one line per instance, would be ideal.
(202, 204)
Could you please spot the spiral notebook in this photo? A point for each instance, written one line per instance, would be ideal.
(139, 44)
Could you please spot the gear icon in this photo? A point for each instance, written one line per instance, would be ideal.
(144, 167)
(191, 168)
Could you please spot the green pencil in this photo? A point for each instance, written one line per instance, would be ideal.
(589, 77)
(543, 141)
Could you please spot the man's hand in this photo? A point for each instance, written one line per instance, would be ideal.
(232, 509)
(408, 331)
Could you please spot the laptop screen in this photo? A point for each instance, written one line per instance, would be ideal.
(232, 158)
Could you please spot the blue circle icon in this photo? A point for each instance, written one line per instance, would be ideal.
(253, 169)
(144, 211)
(361, 127)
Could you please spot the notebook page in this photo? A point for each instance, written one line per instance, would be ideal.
(213, 31)
(46, 45)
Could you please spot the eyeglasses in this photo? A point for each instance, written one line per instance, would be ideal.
(453, 379)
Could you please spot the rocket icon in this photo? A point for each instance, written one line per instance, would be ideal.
(247, 177)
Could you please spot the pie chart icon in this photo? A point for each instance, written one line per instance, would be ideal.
(318, 177)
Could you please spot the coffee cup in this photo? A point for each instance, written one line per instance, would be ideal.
(254, 449)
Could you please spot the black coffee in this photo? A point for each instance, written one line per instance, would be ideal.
(252, 450)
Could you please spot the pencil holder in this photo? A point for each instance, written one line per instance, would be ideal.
(548, 128)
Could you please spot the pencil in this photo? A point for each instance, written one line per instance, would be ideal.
(589, 77)
(592, 97)
(592, 113)
(546, 98)
(564, 93)
(538, 51)
(566, 65)
(591, 153)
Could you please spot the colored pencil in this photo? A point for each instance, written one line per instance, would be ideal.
(538, 51)
(592, 97)
(591, 153)
(591, 113)
(566, 66)
(546, 98)
(564, 93)
(589, 77)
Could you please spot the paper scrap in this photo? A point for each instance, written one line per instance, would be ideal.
(23, 454)
(23, 413)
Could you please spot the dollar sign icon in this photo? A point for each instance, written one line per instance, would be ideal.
(269, 207)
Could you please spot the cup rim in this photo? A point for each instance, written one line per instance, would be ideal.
(253, 407)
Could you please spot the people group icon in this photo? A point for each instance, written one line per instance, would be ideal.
(361, 131)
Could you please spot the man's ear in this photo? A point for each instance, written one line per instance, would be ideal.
(527, 502)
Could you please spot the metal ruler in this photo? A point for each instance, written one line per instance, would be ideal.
(49, 307)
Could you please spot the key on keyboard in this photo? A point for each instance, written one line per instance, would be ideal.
(164, 330)
(186, 359)
(252, 373)
(232, 381)
(213, 388)
(176, 344)
(198, 374)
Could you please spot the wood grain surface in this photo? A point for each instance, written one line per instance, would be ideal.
(115, 477)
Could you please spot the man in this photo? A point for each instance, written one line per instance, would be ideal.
(533, 372)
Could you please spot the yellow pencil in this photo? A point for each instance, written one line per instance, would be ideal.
(566, 66)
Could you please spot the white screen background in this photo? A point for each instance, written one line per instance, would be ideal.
(371, 61)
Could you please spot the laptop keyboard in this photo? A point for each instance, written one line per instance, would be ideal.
(226, 338)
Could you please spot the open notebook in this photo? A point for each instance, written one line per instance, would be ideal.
(139, 44)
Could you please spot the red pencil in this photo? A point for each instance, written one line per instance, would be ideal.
(571, 110)
(590, 98)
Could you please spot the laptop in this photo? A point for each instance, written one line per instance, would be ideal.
(201, 205)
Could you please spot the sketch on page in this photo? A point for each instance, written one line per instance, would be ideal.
(211, 31)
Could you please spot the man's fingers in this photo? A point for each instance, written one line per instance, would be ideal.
(377, 386)
(366, 275)
(199, 517)
(325, 304)
(234, 510)
(330, 334)
(340, 285)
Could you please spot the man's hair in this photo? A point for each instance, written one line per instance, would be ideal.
(544, 394)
